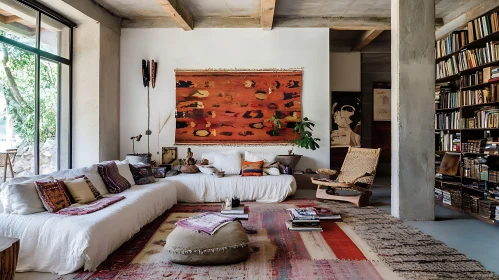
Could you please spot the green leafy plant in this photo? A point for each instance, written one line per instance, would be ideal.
(303, 131)
(277, 126)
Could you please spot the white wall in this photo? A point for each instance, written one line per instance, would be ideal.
(220, 48)
(345, 71)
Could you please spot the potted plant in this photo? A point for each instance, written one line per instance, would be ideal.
(303, 139)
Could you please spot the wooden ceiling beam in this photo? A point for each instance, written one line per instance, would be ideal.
(267, 16)
(365, 39)
(179, 13)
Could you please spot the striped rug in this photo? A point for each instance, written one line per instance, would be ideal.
(335, 253)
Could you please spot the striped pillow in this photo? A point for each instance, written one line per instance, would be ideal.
(115, 183)
(252, 168)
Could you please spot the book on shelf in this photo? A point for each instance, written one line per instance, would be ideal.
(447, 67)
(290, 227)
(483, 26)
(447, 120)
(452, 43)
(448, 142)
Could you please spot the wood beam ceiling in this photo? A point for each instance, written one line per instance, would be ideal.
(179, 13)
(365, 39)
(267, 15)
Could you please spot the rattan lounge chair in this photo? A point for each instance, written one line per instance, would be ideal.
(356, 174)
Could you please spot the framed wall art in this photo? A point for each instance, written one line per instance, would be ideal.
(236, 106)
(382, 101)
(168, 155)
(345, 111)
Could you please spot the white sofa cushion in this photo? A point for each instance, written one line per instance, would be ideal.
(267, 158)
(19, 195)
(90, 171)
(229, 162)
(124, 170)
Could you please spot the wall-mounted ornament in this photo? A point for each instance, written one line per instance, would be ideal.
(154, 69)
(146, 77)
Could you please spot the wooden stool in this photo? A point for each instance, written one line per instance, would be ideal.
(9, 251)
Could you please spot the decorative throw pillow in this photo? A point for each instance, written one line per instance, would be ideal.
(271, 169)
(82, 190)
(142, 173)
(229, 162)
(19, 196)
(115, 183)
(268, 158)
(54, 195)
(252, 168)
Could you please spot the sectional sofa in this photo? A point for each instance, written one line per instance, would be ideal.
(63, 244)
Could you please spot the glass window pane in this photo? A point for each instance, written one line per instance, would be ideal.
(17, 108)
(18, 22)
(54, 37)
(49, 92)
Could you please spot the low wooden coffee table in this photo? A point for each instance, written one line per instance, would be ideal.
(9, 251)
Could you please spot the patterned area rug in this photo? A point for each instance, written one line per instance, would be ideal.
(277, 252)
(368, 244)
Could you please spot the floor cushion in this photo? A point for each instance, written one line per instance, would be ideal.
(228, 245)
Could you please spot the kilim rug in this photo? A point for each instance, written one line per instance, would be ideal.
(277, 252)
(367, 244)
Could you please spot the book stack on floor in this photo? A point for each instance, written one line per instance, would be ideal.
(239, 212)
(309, 218)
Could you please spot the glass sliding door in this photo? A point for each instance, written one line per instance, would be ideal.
(35, 89)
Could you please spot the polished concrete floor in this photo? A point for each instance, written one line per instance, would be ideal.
(474, 238)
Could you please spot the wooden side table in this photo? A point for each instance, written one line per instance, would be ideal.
(9, 251)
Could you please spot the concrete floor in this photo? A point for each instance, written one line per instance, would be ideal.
(474, 238)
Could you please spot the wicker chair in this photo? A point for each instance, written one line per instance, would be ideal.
(7, 159)
(356, 174)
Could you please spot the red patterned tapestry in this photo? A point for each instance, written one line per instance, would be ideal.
(277, 253)
(236, 107)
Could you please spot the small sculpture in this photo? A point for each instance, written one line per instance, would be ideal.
(189, 163)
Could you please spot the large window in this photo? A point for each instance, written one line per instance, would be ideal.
(35, 88)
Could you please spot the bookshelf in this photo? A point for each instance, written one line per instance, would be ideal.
(467, 117)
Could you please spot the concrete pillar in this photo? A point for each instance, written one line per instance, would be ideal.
(413, 85)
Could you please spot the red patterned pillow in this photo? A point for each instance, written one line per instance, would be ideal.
(115, 183)
(252, 168)
(54, 195)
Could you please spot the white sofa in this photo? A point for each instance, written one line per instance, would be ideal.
(64, 244)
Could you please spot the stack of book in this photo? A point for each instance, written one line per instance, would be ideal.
(240, 212)
(479, 56)
(309, 218)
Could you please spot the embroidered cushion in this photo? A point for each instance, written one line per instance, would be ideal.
(252, 168)
(142, 173)
(115, 183)
(53, 194)
(82, 190)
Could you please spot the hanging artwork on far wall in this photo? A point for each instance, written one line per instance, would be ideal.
(345, 119)
(381, 101)
(233, 107)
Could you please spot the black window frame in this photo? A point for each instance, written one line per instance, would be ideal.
(40, 54)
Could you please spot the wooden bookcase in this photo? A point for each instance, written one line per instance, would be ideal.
(465, 189)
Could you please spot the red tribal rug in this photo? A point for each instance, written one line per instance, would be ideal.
(277, 252)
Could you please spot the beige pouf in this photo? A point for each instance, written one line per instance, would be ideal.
(228, 245)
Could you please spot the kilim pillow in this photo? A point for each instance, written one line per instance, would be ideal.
(53, 194)
(142, 174)
(252, 168)
(115, 183)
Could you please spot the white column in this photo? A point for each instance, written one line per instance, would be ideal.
(413, 86)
